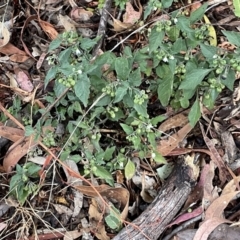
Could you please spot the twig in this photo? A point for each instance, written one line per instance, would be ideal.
(102, 26)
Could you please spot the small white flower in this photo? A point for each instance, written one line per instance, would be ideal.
(171, 57)
(175, 20)
(215, 56)
(149, 126)
(78, 52)
(165, 59)
(155, 8)
(153, 155)
(79, 71)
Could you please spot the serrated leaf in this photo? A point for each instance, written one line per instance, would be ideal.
(233, 37)
(50, 75)
(129, 169)
(165, 90)
(108, 153)
(194, 78)
(167, 3)
(120, 93)
(195, 113)
(208, 51)
(198, 14)
(122, 68)
(155, 39)
(135, 78)
(82, 89)
(229, 81)
(54, 44)
(103, 173)
(183, 24)
(157, 119)
(141, 109)
(29, 130)
(127, 129)
(58, 88)
(64, 55)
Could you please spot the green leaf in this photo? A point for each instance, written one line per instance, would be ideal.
(233, 37)
(82, 89)
(193, 78)
(183, 24)
(167, 3)
(50, 75)
(87, 43)
(158, 119)
(141, 109)
(236, 4)
(129, 169)
(135, 78)
(58, 88)
(159, 158)
(198, 14)
(127, 129)
(195, 113)
(122, 68)
(165, 89)
(64, 55)
(103, 174)
(66, 69)
(108, 153)
(120, 93)
(112, 221)
(208, 51)
(173, 33)
(155, 39)
(229, 81)
(179, 45)
(54, 44)
(29, 130)
(32, 169)
(151, 136)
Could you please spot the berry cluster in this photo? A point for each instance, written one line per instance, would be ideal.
(219, 63)
(214, 83)
(235, 64)
(201, 33)
(163, 26)
(49, 140)
(68, 82)
(27, 121)
(70, 37)
(140, 98)
(112, 111)
(109, 90)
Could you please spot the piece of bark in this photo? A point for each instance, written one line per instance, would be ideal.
(223, 231)
(153, 221)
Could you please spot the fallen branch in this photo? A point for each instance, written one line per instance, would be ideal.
(153, 221)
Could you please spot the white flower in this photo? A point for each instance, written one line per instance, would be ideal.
(165, 59)
(78, 52)
(215, 56)
(79, 71)
(175, 20)
(171, 57)
(153, 155)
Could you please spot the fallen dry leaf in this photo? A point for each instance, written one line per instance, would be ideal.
(131, 16)
(23, 79)
(19, 149)
(48, 29)
(80, 14)
(166, 146)
(178, 120)
(67, 23)
(13, 134)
